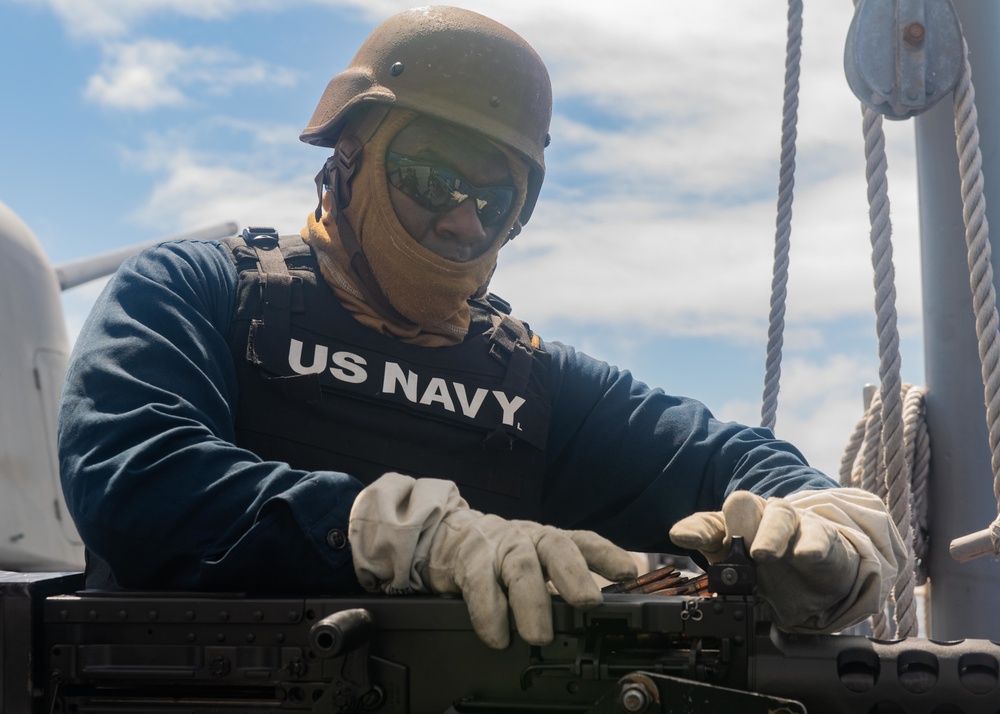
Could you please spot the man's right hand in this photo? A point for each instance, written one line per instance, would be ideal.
(419, 535)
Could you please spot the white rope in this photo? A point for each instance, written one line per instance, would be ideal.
(916, 438)
(863, 466)
(980, 269)
(897, 482)
(782, 242)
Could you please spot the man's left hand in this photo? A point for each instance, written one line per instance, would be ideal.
(825, 559)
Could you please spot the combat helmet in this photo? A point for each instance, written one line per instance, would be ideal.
(452, 64)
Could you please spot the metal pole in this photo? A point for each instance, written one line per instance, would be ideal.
(964, 595)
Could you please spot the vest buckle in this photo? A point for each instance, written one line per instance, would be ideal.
(260, 237)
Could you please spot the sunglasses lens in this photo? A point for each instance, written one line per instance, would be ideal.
(493, 204)
(439, 189)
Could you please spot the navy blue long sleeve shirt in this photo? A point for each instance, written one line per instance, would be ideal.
(159, 490)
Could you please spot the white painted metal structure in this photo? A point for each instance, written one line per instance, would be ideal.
(36, 532)
(35, 529)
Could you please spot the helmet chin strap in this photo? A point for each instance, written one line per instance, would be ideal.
(336, 175)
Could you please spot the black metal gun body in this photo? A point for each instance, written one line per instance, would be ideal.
(91, 652)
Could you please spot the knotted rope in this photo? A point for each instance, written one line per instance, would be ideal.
(863, 465)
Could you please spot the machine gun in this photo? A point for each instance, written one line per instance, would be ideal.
(70, 652)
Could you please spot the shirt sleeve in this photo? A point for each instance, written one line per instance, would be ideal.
(629, 461)
(151, 473)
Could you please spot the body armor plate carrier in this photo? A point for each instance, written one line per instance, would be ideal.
(320, 391)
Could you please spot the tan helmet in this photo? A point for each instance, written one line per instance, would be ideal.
(452, 64)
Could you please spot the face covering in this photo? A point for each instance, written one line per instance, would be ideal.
(428, 291)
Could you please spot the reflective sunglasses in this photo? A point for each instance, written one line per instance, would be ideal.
(440, 189)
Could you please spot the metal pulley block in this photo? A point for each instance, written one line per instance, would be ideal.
(902, 56)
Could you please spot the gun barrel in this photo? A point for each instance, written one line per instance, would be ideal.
(340, 632)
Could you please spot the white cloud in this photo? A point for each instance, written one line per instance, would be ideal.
(196, 194)
(105, 19)
(196, 189)
(137, 76)
(818, 407)
(115, 18)
(680, 215)
(706, 271)
(269, 181)
(150, 73)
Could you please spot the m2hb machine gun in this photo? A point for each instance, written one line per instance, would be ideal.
(69, 652)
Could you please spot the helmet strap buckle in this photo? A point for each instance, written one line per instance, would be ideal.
(346, 158)
(338, 172)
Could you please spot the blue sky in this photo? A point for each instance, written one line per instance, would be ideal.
(651, 246)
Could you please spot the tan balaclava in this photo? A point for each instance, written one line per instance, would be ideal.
(428, 291)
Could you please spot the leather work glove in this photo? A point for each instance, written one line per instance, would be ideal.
(419, 535)
(825, 559)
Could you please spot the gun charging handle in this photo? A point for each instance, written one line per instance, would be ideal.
(736, 574)
(341, 632)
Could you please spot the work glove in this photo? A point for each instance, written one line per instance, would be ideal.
(419, 535)
(825, 559)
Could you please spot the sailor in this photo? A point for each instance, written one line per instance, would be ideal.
(351, 406)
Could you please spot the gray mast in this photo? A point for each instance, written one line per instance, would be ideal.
(961, 501)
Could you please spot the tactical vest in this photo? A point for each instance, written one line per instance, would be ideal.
(320, 391)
